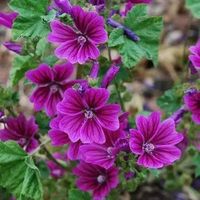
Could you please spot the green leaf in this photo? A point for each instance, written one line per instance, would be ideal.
(116, 38)
(32, 19)
(21, 65)
(148, 29)
(194, 6)
(75, 194)
(196, 161)
(18, 172)
(171, 100)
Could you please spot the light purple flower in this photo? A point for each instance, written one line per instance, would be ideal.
(184, 143)
(60, 138)
(22, 131)
(109, 76)
(63, 6)
(96, 179)
(51, 84)
(155, 141)
(79, 43)
(195, 55)
(56, 170)
(178, 115)
(85, 115)
(13, 46)
(105, 154)
(192, 102)
(7, 19)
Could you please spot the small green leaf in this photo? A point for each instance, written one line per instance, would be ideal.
(194, 6)
(75, 194)
(18, 172)
(116, 38)
(21, 64)
(33, 18)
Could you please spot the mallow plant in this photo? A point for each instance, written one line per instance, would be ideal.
(80, 142)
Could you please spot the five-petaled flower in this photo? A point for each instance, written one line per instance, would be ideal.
(155, 141)
(84, 116)
(51, 85)
(96, 179)
(22, 131)
(79, 43)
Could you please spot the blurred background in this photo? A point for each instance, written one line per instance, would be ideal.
(181, 30)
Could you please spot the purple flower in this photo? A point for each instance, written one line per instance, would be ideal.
(94, 70)
(192, 102)
(179, 114)
(85, 115)
(155, 141)
(56, 170)
(60, 138)
(63, 6)
(97, 2)
(184, 143)
(7, 19)
(12, 46)
(105, 154)
(51, 84)
(109, 76)
(96, 179)
(195, 55)
(21, 130)
(79, 43)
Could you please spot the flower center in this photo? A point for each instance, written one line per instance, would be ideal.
(148, 147)
(54, 88)
(82, 40)
(89, 114)
(101, 179)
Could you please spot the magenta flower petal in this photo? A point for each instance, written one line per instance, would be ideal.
(33, 144)
(63, 71)
(148, 126)
(97, 154)
(73, 150)
(136, 142)
(42, 75)
(72, 103)
(92, 132)
(149, 161)
(51, 103)
(96, 97)
(108, 116)
(12, 46)
(194, 57)
(58, 138)
(7, 19)
(72, 126)
(39, 97)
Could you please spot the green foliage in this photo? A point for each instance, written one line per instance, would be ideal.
(9, 98)
(43, 121)
(148, 28)
(75, 194)
(171, 100)
(196, 161)
(32, 20)
(21, 64)
(194, 6)
(18, 172)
